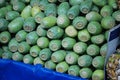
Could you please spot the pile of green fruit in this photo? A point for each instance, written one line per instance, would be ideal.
(68, 36)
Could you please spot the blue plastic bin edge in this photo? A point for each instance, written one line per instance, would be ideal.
(12, 70)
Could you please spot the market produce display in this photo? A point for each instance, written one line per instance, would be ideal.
(67, 36)
(113, 66)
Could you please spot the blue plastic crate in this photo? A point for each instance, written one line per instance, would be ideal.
(12, 70)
